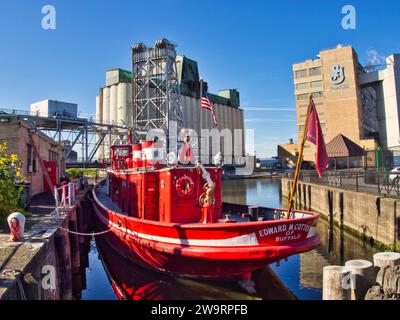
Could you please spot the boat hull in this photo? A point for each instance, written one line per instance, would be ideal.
(211, 251)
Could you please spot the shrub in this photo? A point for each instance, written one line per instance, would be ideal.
(75, 173)
(10, 177)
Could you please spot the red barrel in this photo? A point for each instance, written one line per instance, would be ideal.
(137, 156)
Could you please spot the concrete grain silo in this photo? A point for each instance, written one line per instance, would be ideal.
(99, 119)
(106, 105)
(123, 104)
(113, 104)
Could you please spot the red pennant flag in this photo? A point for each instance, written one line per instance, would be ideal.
(314, 135)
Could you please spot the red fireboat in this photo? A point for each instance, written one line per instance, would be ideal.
(171, 218)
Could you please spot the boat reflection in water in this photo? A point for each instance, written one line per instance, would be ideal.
(132, 282)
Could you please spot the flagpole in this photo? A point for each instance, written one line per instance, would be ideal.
(201, 120)
(299, 160)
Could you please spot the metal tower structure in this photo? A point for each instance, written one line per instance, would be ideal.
(156, 93)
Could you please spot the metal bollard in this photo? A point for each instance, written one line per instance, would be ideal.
(16, 223)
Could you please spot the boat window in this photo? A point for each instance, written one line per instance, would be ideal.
(121, 152)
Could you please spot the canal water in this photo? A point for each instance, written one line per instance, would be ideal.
(301, 274)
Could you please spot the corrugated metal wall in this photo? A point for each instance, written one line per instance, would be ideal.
(116, 104)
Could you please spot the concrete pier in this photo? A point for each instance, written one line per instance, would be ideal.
(45, 264)
(366, 215)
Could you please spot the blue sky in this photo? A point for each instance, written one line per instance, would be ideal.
(248, 45)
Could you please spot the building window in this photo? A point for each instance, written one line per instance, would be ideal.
(303, 106)
(33, 162)
(301, 73)
(30, 159)
(323, 126)
(53, 156)
(318, 94)
(316, 84)
(315, 71)
(303, 85)
(301, 127)
(302, 96)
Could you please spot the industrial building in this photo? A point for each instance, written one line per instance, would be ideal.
(37, 151)
(360, 103)
(386, 84)
(52, 108)
(119, 103)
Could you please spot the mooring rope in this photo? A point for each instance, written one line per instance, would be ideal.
(91, 234)
(17, 274)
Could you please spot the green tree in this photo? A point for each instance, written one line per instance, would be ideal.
(10, 177)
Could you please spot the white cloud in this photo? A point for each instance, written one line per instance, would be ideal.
(374, 58)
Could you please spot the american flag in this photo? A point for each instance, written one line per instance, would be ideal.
(206, 104)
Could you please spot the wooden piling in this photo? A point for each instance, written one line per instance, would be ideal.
(62, 244)
(362, 272)
(391, 281)
(336, 283)
(386, 259)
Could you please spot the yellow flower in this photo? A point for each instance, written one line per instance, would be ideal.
(3, 146)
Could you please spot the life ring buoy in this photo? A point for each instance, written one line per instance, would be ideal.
(184, 185)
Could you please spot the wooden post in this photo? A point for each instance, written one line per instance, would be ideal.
(63, 250)
(336, 283)
(383, 261)
(386, 259)
(362, 272)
